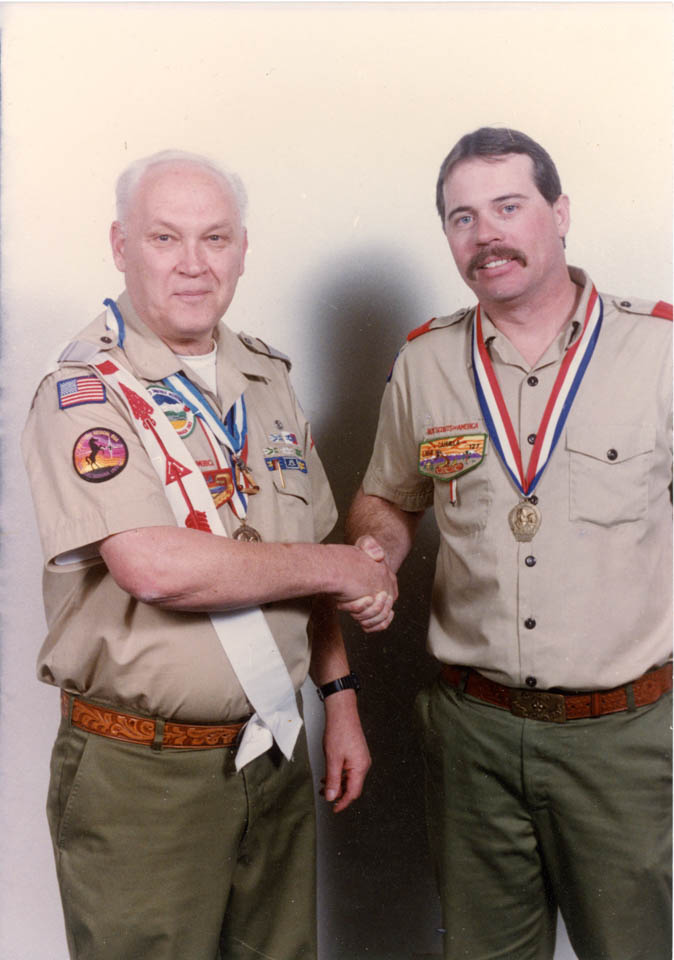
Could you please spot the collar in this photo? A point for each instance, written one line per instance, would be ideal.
(500, 346)
(151, 359)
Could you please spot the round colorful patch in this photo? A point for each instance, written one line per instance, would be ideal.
(99, 454)
(180, 415)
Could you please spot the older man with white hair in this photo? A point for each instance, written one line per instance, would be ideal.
(181, 504)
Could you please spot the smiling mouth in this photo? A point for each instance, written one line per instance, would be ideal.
(494, 263)
(492, 259)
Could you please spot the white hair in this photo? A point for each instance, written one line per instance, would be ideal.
(129, 179)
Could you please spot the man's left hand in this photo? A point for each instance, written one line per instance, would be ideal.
(347, 758)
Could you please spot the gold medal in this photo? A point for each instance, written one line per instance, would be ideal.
(525, 521)
(247, 534)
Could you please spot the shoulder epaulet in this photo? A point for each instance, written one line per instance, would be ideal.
(436, 322)
(259, 346)
(647, 308)
(418, 331)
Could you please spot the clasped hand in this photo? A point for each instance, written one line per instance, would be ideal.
(372, 611)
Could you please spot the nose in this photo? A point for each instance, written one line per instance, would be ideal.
(192, 260)
(488, 229)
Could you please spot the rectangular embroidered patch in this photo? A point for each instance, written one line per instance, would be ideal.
(80, 390)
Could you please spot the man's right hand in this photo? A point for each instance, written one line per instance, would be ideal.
(373, 611)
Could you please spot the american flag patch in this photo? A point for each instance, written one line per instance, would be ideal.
(80, 390)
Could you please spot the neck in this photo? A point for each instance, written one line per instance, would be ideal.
(191, 348)
(532, 325)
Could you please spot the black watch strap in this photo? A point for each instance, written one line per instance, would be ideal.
(351, 682)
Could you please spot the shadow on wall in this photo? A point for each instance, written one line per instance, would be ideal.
(375, 872)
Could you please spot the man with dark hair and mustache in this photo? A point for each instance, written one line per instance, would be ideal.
(538, 424)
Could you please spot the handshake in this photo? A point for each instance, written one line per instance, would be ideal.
(369, 588)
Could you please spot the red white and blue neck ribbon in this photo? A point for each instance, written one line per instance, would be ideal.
(564, 390)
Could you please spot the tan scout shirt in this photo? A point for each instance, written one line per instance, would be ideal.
(587, 603)
(102, 643)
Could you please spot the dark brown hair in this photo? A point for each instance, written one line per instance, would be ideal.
(497, 142)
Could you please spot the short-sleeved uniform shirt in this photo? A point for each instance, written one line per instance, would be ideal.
(587, 603)
(102, 643)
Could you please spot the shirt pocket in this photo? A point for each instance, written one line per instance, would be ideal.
(609, 467)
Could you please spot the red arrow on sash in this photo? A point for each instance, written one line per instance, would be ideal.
(175, 471)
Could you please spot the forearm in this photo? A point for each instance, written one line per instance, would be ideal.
(194, 571)
(328, 653)
(393, 529)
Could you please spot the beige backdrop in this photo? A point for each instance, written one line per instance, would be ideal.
(337, 116)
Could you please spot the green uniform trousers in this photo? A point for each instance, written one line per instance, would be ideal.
(526, 816)
(172, 855)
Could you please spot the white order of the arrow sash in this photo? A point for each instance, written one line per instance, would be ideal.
(564, 390)
(244, 634)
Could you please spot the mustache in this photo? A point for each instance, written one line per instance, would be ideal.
(500, 253)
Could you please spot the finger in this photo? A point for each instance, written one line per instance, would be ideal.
(370, 546)
(356, 606)
(379, 604)
(379, 625)
(334, 783)
(353, 787)
(378, 610)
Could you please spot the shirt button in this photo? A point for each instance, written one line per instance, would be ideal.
(530, 561)
(533, 499)
(106, 340)
(531, 681)
(530, 623)
(531, 439)
(612, 454)
(532, 381)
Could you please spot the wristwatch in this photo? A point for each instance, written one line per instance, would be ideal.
(350, 682)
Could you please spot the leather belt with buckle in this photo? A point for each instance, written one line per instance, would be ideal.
(146, 731)
(560, 707)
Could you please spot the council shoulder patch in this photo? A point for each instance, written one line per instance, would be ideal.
(77, 390)
(99, 454)
(447, 458)
(181, 417)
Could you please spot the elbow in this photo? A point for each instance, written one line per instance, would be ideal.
(141, 569)
(148, 585)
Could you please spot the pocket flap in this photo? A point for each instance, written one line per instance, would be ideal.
(611, 442)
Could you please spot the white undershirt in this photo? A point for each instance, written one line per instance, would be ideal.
(204, 366)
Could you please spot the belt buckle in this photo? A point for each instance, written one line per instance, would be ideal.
(538, 705)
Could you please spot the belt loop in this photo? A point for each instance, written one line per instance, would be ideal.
(595, 704)
(465, 673)
(629, 693)
(67, 700)
(158, 734)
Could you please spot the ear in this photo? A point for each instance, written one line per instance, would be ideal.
(561, 209)
(244, 250)
(117, 242)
